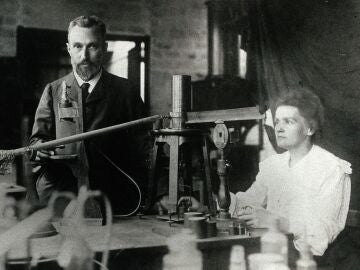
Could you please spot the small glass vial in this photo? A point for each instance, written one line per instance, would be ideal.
(306, 260)
(237, 258)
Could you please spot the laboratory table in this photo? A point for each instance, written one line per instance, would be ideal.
(141, 243)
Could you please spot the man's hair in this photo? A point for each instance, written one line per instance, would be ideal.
(88, 22)
(308, 104)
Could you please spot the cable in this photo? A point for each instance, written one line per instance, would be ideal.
(130, 178)
(101, 264)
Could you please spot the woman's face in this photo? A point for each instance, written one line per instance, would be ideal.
(292, 130)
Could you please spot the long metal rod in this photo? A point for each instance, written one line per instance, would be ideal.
(238, 114)
(85, 135)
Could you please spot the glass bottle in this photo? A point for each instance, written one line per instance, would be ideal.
(237, 258)
(274, 241)
(306, 260)
(183, 253)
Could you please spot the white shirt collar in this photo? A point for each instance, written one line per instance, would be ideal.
(92, 82)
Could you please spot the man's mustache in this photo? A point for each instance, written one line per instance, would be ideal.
(86, 63)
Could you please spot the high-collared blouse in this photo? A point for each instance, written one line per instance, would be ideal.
(313, 195)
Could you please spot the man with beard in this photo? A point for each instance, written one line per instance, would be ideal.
(90, 98)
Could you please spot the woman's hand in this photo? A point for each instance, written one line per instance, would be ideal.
(255, 218)
(192, 203)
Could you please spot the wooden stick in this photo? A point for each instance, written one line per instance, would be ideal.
(83, 136)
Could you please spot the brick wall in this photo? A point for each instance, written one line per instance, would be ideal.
(179, 46)
(178, 32)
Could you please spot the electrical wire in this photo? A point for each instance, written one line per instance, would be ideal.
(131, 180)
(100, 264)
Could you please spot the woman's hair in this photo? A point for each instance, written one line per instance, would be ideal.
(88, 22)
(308, 104)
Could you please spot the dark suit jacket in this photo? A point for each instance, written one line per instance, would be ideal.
(111, 102)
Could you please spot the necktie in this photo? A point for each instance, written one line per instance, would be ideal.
(85, 91)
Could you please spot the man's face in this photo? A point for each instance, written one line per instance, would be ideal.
(292, 129)
(86, 48)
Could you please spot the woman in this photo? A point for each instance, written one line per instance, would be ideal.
(306, 187)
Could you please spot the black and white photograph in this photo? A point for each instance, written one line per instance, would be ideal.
(179, 135)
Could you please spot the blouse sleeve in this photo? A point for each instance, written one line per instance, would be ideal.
(256, 195)
(233, 204)
(319, 218)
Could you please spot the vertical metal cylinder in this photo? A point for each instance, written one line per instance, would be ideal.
(188, 215)
(211, 230)
(198, 226)
(181, 100)
(181, 93)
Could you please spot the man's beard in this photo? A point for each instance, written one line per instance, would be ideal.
(87, 72)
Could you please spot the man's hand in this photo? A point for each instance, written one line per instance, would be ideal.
(256, 218)
(44, 155)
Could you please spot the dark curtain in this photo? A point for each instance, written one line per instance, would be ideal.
(314, 44)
